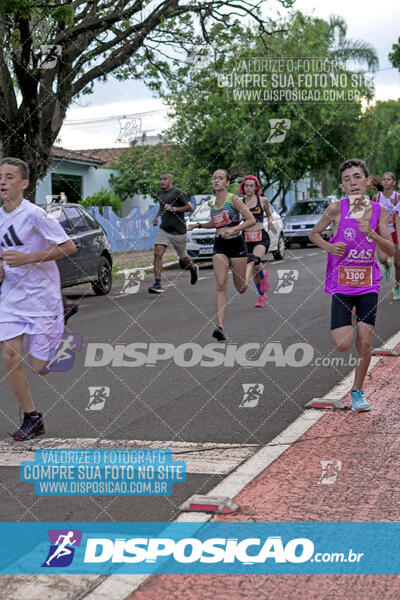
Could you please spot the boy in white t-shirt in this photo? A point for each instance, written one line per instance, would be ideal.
(31, 307)
(389, 199)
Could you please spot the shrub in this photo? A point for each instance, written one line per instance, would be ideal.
(103, 198)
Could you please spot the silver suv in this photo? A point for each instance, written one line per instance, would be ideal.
(301, 218)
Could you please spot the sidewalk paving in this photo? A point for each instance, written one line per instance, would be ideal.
(366, 489)
(140, 259)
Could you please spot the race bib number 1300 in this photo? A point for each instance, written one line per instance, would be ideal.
(355, 276)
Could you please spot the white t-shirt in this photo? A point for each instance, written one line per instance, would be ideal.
(32, 290)
(389, 206)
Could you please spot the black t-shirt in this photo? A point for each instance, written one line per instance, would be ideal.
(171, 222)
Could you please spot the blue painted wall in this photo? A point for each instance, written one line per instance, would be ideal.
(135, 231)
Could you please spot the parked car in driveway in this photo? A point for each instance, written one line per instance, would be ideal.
(301, 218)
(92, 261)
(200, 241)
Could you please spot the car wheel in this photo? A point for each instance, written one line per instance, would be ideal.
(279, 253)
(103, 285)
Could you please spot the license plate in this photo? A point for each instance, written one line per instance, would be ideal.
(206, 250)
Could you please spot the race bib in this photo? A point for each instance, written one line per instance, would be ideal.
(220, 219)
(355, 276)
(253, 236)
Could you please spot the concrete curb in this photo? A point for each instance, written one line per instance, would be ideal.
(146, 269)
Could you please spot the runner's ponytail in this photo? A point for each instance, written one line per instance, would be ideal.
(376, 183)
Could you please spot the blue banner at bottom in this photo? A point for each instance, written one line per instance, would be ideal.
(198, 548)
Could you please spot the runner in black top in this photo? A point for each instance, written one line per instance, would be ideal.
(173, 204)
(256, 238)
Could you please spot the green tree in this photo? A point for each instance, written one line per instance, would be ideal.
(213, 127)
(394, 56)
(51, 52)
(378, 141)
(140, 168)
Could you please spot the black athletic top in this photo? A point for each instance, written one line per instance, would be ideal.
(257, 211)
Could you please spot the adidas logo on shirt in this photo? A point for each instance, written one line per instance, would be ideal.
(11, 238)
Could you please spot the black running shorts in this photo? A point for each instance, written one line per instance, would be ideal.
(231, 247)
(342, 308)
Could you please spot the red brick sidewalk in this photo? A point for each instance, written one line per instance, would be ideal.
(366, 489)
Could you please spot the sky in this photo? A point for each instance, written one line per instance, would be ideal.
(98, 120)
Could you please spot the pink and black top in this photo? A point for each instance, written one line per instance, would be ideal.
(357, 272)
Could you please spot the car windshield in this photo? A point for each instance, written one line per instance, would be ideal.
(201, 213)
(315, 207)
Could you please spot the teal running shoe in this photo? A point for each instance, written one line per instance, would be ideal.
(396, 293)
(358, 401)
(387, 271)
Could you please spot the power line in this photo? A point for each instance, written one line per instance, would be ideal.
(113, 117)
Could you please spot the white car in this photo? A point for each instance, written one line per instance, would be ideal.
(200, 241)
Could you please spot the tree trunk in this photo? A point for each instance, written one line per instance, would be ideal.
(324, 186)
(38, 163)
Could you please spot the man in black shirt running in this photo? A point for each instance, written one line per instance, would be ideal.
(173, 204)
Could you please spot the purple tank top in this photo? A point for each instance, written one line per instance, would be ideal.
(357, 272)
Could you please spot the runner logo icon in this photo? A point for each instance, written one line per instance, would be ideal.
(62, 547)
(64, 354)
(132, 281)
(50, 55)
(251, 394)
(330, 471)
(98, 397)
(279, 129)
(287, 279)
(129, 129)
(357, 206)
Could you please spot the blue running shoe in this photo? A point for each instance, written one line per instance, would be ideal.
(396, 293)
(387, 271)
(358, 401)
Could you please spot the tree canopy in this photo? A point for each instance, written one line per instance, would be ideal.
(394, 56)
(215, 126)
(379, 137)
(50, 53)
(140, 168)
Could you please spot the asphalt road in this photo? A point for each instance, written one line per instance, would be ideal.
(187, 397)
